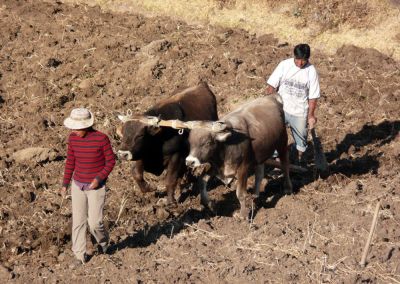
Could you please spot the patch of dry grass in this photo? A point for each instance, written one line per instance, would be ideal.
(325, 24)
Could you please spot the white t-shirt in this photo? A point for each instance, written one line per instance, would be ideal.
(296, 86)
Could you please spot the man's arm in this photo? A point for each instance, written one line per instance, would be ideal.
(314, 94)
(312, 120)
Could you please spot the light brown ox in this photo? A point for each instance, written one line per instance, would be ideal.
(249, 137)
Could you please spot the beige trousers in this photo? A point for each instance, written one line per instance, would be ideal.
(87, 207)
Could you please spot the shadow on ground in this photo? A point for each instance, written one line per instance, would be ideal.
(382, 134)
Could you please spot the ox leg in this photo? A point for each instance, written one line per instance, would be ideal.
(173, 170)
(137, 171)
(241, 191)
(204, 199)
(284, 158)
(259, 175)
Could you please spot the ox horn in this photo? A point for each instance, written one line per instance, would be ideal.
(218, 126)
(124, 118)
(213, 126)
(150, 120)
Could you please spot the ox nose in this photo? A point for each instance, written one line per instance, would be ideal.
(192, 161)
(124, 155)
(189, 163)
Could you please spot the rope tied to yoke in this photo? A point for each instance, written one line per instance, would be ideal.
(174, 124)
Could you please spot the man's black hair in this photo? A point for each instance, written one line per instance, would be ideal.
(302, 51)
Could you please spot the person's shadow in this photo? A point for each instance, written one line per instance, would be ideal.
(343, 162)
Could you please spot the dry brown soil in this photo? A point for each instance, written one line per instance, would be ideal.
(54, 57)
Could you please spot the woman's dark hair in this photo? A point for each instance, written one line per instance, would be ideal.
(302, 51)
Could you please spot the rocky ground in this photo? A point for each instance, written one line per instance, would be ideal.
(56, 56)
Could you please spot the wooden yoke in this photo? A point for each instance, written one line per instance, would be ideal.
(214, 126)
(175, 123)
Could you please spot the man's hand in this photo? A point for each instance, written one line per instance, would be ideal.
(312, 120)
(94, 184)
(270, 90)
(63, 191)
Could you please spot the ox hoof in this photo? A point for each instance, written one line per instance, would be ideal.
(147, 188)
(162, 202)
(243, 214)
(210, 206)
(236, 215)
(166, 202)
(287, 191)
(171, 201)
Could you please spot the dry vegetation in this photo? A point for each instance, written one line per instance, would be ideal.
(325, 24)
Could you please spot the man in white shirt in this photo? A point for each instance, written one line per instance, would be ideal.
(296, 81)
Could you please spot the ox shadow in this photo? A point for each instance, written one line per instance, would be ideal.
(272, 192)
(339, 162)
(150, 234)
(173, 225)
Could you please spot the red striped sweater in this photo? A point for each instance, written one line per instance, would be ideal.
(89, 157)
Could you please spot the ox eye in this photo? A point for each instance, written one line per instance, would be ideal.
(139, 137)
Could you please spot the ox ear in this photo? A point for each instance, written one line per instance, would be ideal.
(222, 136)
(153, 130)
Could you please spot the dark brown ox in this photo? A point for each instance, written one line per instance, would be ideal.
(155, 149)
(253, 132)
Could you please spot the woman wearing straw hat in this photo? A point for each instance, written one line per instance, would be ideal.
(90, 159)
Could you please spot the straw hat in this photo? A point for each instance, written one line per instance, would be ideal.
(80, 118)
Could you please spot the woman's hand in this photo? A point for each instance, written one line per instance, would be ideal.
(94, 184)
(63, 191)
